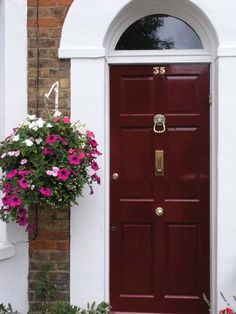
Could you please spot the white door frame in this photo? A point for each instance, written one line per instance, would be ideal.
(213, 153)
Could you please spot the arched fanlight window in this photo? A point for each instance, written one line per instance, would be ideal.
(159, 32)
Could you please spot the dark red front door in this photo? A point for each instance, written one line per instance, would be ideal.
(159, 264)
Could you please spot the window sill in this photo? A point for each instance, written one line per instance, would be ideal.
(6, 251)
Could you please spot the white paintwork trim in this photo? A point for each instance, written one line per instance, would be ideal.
(96, 52)
(83, 52)
(158, 59)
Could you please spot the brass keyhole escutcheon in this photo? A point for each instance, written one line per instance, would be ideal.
(159, 211)
(115, 176)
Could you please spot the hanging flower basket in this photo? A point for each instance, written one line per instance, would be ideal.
(45, 163)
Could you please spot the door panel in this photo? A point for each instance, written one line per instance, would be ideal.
(159, 264)
(133, 168)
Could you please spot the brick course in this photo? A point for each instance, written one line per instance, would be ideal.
(53, 242)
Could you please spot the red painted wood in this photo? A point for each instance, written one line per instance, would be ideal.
(159, 264)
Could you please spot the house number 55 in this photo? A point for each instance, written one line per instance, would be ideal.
(159, 70)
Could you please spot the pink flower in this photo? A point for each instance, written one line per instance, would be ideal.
(90, 134)
(24, 172)
(47, 151)
(15, 201)
(51, 139)
(55, 171)
(71, 151)
(7, 188)
(63, 141)
(96, 152)
(23, 183)
(74, 159)
(74, 173)
(45, 192)
(5, 200)
(12, 174)
(63, 174)
(23, 161)
(56, 119)
(93, 143)
(96, 178)
(22, 220)
(94, 166)
(66, 120)
(21, 212)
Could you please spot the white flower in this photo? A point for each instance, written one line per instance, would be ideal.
(40, 122)
(23, 161)
(32, 187)
(15, 153)
(28, 142)
(49, 172)
(49, 125)
(52, 172)
(31, 117)
(3, 155)
(55, 171)
(26, 122)
(33, 125)
(57, 113)
(16, 138)
(38, 140)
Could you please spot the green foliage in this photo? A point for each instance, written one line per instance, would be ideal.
(44, 288)
(61, 307)
(101, 308)
(7, 309)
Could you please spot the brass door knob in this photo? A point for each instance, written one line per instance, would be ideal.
(115, 176)
(159, 211)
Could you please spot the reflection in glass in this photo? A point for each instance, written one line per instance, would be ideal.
(159, 32)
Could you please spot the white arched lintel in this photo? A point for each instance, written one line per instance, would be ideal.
(184, 10)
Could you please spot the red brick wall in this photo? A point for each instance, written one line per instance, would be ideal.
(53, 241)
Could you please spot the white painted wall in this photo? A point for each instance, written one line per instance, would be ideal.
(226, 257)
(13, 108)
(88, 219)
(88, 45)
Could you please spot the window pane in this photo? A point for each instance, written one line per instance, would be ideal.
(159, 32)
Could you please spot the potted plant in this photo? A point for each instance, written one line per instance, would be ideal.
(47, 163)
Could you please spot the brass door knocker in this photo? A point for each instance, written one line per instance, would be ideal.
(159, 123)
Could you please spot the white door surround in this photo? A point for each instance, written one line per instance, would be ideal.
(90, 46)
